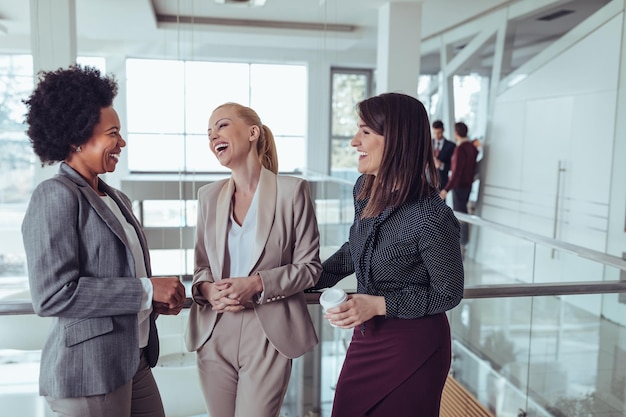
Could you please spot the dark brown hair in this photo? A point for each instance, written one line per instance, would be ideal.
(461, 129)
(407, 171)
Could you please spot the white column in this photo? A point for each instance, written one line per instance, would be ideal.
(399, 44)
(53, 33)
(53, 45)
(116, 65)
(446, 90)
(318, 147)
(616, 239)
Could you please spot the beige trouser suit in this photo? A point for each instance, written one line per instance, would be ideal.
(244, 358)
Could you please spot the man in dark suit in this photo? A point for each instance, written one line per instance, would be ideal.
(443, 150)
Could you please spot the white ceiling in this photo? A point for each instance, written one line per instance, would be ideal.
(200, 27)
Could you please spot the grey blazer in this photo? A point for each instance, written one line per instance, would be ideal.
(82, 273)
(286, 255)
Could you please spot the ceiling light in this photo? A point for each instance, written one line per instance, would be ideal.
(242, 2)
(555, 15)
(516, 80)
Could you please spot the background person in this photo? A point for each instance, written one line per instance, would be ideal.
(88, 261)
(442, 151)
(257, 249)
(464, 168)
(404, 250)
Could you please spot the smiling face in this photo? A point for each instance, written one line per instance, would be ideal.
(370, 146)
(437, 133)
(102, 150)
(231, 139)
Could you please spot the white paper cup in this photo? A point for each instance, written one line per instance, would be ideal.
(332, 297)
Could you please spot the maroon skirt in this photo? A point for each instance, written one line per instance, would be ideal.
(395, 367)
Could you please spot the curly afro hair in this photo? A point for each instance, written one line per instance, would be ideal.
(64, 108)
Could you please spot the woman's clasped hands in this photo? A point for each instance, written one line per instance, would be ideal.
(232, 294)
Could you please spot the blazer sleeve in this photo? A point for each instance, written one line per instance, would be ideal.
(453, 181)
(445, 155)
(305, 267)
(202, 268)
(54, 240)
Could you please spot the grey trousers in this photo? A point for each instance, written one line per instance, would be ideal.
(137, 398)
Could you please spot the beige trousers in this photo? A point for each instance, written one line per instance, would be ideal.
(137, 398)
(241, 373)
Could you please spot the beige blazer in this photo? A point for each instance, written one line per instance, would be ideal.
(286, 256)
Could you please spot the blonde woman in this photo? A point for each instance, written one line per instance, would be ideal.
(257, 249)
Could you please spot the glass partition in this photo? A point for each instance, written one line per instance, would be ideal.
(546, 356)
(543, 354)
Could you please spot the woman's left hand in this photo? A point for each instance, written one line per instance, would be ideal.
(358, 309)
(242, 289)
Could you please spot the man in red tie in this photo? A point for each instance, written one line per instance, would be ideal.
(443, 149)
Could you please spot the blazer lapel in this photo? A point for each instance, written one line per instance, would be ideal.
(222, 218)
(68, 173)
(267, 191)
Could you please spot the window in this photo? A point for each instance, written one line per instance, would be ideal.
(169, 103)
(470, 98)
(349, 87)
(17, 162)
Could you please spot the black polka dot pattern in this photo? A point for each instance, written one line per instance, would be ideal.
(409, 254)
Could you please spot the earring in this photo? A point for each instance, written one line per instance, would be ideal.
(78, 149)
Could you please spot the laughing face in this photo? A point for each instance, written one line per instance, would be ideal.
(231, 139)
(370, 146)
(102, 150)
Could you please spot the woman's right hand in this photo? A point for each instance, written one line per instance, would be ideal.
(213, 292)
(357, 310)
(168, 291)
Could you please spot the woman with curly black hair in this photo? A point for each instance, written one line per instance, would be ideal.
(88, 261)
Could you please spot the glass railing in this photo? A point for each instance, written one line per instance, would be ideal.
(541, 330)
(543, 355)
(539, 333)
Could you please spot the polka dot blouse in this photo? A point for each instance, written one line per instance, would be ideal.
(409, 254)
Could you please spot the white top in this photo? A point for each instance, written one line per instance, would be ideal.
(140, 271)
(241, 240)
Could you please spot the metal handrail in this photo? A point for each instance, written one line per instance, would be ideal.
(527, 290)
(594, 255)
(16, 307)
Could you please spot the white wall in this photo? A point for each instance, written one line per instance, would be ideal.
(563, 112)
